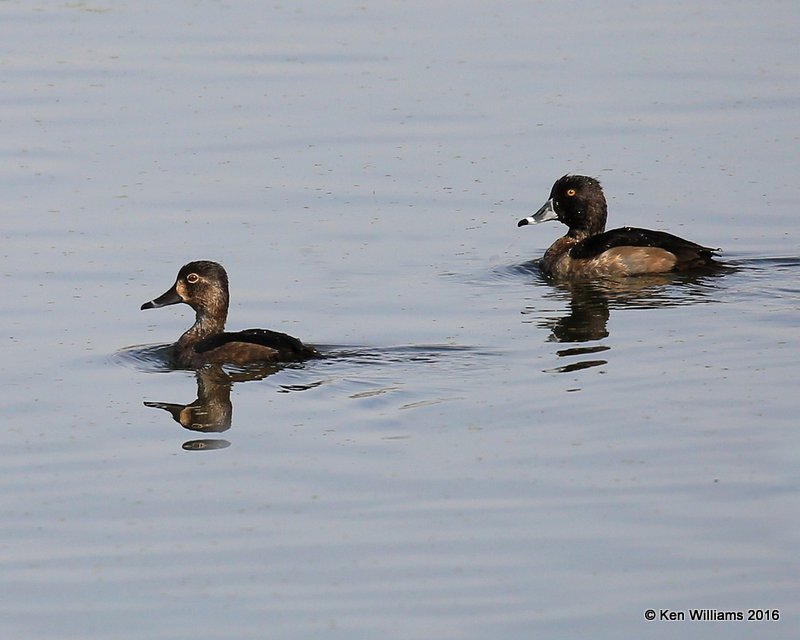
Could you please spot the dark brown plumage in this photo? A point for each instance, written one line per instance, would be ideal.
(587, 250)
(203, 285)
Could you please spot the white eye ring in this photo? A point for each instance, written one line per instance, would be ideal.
(192, 278)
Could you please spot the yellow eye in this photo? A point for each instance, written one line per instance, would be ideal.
(192, 278)
(570, 192)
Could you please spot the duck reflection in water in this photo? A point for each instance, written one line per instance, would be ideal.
(212, 410)
(590, 303)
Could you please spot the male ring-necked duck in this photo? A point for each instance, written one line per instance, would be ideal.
(588, 250)
(203, 285)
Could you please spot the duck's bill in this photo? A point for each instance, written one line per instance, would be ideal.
(164, 300)
(542, 215)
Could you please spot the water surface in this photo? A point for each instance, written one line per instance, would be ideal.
(484, 453)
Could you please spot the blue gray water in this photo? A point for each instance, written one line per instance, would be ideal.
(484, 453)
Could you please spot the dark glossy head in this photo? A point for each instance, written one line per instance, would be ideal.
(203, 285)
(576, 201)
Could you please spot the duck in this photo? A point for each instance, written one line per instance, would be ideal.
(203, 285)
(588, 250)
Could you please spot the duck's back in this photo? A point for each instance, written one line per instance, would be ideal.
(647, 250)
(626, 251)
(260, 342)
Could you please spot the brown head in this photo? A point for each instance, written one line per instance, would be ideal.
(203, 285)
(576, 201)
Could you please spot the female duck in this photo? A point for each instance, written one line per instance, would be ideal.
(588, 250)
(203, 285)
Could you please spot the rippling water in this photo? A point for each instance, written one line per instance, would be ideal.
(482, 452)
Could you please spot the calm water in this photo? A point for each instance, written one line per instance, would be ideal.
(484, 454)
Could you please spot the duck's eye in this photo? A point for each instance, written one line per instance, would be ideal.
(192, 278)
(571, 192)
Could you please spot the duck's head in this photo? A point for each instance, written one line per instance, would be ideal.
(202, 284)
(576, 201)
